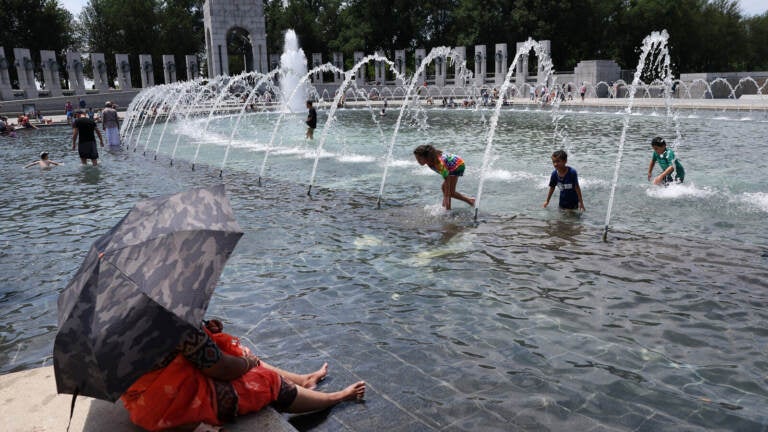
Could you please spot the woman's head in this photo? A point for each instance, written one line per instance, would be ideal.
(43, 155)
(425, 154)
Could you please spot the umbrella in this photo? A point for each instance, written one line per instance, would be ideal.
(142, 286)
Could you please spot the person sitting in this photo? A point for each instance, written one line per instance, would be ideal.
(213, 379)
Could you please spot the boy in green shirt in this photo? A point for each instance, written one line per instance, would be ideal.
(671, 168)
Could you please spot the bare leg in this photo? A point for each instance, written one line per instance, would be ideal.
(449, 191)
(310, 400)
(84, 161)
(309, 380)
(466, 199)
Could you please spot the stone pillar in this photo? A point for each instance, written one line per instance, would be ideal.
(169, 68)
(50, 72)
(360, 74)
(75, 72)
(220, 16)
(500, 55)
(100, 76)
(419, 55)
(380, 69)
(459, 66)
(317, 60)
(274, 61)
(591, 72)
(6, 91)
(480, 65)
(521, 68)
(547, 48)
(400, 66)
(338, 61)
(147, 70)
(441, 67)
(25, 68)
(193, 69)
(123, 71)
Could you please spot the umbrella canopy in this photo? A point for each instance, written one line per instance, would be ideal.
(142, 286)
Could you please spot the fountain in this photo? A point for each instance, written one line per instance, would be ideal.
(293, 66)
(502, 316)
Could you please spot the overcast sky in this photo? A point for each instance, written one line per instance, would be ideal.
(749, 7)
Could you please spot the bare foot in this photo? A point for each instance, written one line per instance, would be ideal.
(311, 379)
(472, 202)
(355, 392)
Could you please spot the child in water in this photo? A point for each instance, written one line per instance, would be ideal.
(668, 163)
(44, 162)
(449, 166)
(567, 180)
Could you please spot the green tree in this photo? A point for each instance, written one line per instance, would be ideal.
(757, 34)
(37, 25)
(143, 27)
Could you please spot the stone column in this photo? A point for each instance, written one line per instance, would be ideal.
(502, 67)
(25, 68)
(338, 61)
(147, 70)
(169, 68)
(317, 60)
(50, 72)
(193, 70)
(6, 91)
(419, 55)
(380, 69)
(123, 71)
(360, 75)
(274, 61)
(75, 72)
(441, 67)
(547, 48)
(459, 66)
(480, 65)
(100, 76)
(521, 68)
(400, 66)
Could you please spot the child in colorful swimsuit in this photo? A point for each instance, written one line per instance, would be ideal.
(449, 166)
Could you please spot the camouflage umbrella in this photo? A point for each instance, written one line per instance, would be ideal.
(142, 286)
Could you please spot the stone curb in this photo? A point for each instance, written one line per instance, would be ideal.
(29, 403)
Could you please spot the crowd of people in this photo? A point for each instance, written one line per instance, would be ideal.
(84, 122)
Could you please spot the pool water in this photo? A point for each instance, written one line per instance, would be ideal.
(523, 320)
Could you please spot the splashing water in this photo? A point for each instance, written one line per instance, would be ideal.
(293, 64)
(656, 42)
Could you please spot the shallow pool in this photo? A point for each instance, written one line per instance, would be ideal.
(525, 320)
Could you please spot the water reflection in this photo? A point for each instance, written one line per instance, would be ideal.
(89, 174)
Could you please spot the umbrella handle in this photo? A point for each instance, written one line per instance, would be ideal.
(72, 408)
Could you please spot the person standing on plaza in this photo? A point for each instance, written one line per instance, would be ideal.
(111, 124)
(69, 111)
(311, 120)
(84, 129)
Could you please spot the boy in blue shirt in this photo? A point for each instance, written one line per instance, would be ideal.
(667, 162)
(567, 180)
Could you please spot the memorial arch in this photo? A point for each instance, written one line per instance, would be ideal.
(235, 23)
